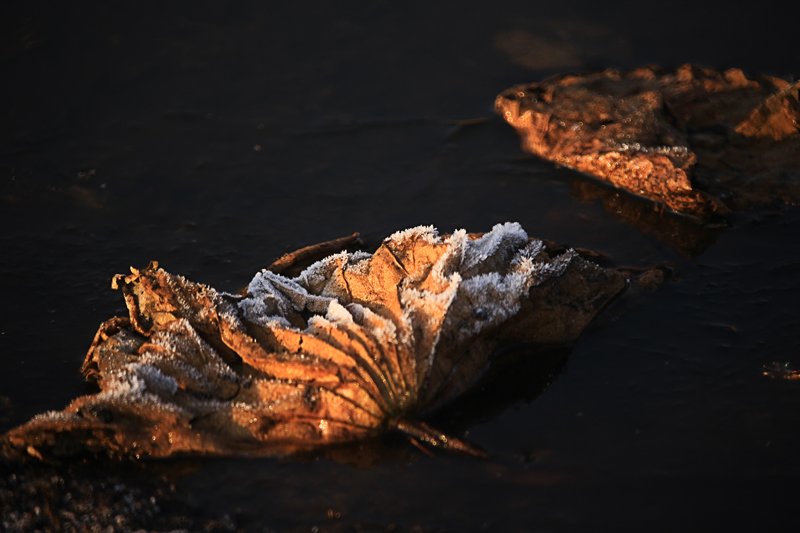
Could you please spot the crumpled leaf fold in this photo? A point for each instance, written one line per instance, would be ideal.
(355, 345)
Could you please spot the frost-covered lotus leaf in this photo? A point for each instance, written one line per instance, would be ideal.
(699, 141)
(352, 347)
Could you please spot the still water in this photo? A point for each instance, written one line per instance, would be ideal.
(217, 136)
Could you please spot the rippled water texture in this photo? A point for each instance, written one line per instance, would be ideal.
(217, 137)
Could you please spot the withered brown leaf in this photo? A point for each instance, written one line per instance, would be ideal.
(353, 346)
(699, 141)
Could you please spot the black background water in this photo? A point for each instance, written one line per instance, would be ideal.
(215, 136)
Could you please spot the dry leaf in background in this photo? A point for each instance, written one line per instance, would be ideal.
(699, 141)
(353, 346)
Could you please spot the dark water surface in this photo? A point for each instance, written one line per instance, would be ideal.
(214, 137)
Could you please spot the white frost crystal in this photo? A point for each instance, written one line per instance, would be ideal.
(469, 269)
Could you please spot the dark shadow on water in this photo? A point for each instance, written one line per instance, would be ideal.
(518, 375)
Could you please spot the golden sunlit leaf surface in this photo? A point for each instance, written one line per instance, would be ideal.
(698, 141)
(355, 345)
